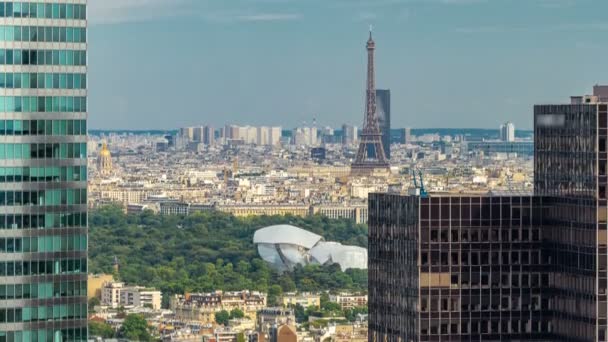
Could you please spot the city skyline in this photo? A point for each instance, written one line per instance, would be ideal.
(443, 60)
(191, 227)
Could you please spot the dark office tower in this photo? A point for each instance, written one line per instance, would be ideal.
(393, 271)
(502, 267)
(473, 262)
(43, 171)
(383, 111)
(570, 175)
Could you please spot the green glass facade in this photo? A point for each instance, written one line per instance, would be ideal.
(43, 172)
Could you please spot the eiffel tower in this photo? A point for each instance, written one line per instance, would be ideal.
(370, 156)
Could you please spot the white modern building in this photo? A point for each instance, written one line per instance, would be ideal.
(285, 246)
(116, 294)
(140, 297)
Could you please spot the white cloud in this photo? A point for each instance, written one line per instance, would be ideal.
(366, 3)
(120, 11)
(394, 3)
(366, 17)
(229, 17)
(556, 4)
(487, 29)
(461, 2)
(583, 27)
(268, 17)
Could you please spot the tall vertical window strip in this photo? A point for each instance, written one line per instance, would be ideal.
(43, 185)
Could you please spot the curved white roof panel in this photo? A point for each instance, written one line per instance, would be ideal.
(346, 256)
(284, 246)
(286, 234)
(293, 254)
(270, 254)
(350, 257)
(323, 250)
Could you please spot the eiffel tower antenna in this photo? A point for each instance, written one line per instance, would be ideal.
(370, 155)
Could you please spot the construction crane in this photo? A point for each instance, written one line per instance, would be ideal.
(422, 190)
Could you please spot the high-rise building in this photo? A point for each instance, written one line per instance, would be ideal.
(187, 133)
(263, 136)
(305, 136)
(506, 266)
(228, 132)
(43, 206)
(208, 135)
(507, 132)
(383, 111)
(201, 134)
(197, 134)
(248, 134)
(268, 136)
(275, 135)
(349, 134)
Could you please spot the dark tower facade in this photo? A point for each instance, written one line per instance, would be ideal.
(383, 112)
(502, 267)
(370, 155)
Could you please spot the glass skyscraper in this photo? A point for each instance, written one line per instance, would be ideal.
(43, 173)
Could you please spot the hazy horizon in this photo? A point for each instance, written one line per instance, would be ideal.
(216, 128)
(449, 63)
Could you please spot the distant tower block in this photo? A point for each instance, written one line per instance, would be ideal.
(104, 161)
(370, 156)
(507, 132)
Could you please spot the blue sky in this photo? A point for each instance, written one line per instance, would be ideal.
(448, 63)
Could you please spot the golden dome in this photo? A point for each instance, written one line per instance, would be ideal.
(105, 152)
(104, 161)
